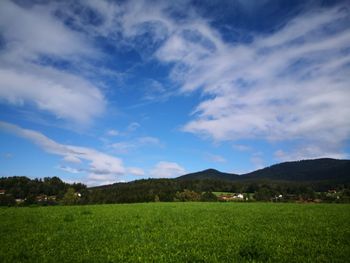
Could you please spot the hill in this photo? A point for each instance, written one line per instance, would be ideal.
(324, 169)
(209, 174)
(300, 179)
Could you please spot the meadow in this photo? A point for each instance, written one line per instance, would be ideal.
(177, 232)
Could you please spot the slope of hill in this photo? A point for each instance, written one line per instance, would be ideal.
(301, 179)
(210, 174)
(305, 170)
(324, 169)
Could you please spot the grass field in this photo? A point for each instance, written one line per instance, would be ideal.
(177, 232)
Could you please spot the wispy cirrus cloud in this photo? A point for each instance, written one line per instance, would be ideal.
(69, 169)
(127, 146)
(32, 36)
(287, 85)
(113, 132)
(166, 169)
(290, 84)
(215, 158)
(100, 167)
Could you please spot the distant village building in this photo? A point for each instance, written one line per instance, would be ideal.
(41, 198)
(19, 200)
(278, 197)
(45, 198)
(230, 197)
(52, 197)
(240, 196)
(225, 197)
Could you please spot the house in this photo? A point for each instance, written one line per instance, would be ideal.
(225, 197)
(240, 196)
(52, 198)
(41, 198)
(19, 200)
(230, 197)
(2, 192)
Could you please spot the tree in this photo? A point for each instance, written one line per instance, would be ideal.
(7, 200)
(208, 197)
(156, 198)
(264, 194)
(70, 197)
(187, 195)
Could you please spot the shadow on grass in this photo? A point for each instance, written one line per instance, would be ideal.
(253, 250)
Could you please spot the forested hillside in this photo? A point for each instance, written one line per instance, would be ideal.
(321, 179)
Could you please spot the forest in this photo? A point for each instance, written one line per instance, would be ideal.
(53, 191)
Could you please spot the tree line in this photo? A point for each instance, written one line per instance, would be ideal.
(45, 191)
(53, 191)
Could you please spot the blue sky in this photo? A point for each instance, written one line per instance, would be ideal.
(105, 91)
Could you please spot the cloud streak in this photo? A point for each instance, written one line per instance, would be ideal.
(288, 85)
(166, 169)
(101, 167)
(127, 146)
(31, 37)
(291, 85)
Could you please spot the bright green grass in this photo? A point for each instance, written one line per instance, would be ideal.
(177, 232)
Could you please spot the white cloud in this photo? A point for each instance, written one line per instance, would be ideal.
(167, 170)
(31, 36)
(127, 146)
(215, 158)
(242, 148)
(71, 159)
(148, 140)
(133, 127)
(113, 133)
(290, 85)
(156, 91)
(257, 160)
(310, 152)
(65, 95)
(101, 166)
(135, 171)
(123, 147)
(69, 169)
(35, 30)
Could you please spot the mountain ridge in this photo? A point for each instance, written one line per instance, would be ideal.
(302, 170)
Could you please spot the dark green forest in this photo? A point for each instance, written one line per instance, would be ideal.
(321, 180)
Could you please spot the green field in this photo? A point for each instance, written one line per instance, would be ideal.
(177, 232)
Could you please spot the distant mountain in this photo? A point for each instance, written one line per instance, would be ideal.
(305, 170)
(209, 174)
(299, 179)
(324, 169)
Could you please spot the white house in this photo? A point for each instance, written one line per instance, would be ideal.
(240, 196)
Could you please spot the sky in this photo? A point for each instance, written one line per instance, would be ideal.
(100, 91)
